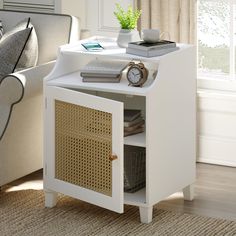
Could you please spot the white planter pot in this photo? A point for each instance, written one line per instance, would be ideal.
(125, 36)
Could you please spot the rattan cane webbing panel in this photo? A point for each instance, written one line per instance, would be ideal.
(83, 139)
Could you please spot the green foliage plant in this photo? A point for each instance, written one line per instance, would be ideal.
(127, 19)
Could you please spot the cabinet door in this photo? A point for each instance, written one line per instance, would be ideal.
(84, 147)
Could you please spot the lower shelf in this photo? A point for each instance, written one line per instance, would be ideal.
(136, 140)
(136, 199)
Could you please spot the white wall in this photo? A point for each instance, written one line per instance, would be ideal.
(72, 7)
(100, 17)
(76, 8)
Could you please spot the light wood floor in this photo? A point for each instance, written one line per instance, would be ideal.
(215, 192)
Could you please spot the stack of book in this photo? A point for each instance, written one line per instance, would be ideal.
(133, 122)
(142, 48)
(103, 71)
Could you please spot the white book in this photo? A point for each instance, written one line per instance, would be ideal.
(151, 53)
(139, 121)
(136, 131)
(98, 66)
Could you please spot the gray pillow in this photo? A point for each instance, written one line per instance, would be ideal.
(1, 30)
(11, 48)
(29, 55)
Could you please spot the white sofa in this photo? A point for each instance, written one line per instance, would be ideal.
(21, 94)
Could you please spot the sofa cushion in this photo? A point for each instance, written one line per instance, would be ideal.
(1, 30)
(11, 49)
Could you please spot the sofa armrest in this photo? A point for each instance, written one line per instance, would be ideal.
(18, 86)
(32, 78)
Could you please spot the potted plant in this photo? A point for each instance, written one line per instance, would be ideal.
(128, 22)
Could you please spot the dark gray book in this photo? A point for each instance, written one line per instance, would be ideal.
(142, 45)
(101, 79)
(131, 114)
(150, 53)
(98, 75)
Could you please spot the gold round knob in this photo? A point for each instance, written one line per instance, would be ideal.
(113, 157)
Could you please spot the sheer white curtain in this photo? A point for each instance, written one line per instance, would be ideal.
(175, 18)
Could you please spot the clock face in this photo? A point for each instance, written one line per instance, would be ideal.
(134, 75)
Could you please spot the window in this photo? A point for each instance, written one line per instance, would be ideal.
(216, 39)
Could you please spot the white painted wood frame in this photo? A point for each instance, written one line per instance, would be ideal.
(169, 101)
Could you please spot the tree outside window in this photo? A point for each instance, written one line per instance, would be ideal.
(216, 36)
